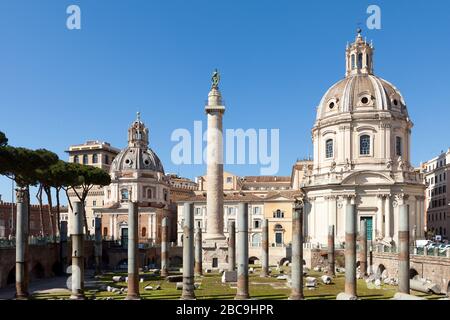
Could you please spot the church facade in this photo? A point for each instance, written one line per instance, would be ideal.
(362, 140)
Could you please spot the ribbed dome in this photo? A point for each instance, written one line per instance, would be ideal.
(138, 155)
(136, 158)
(361, 92)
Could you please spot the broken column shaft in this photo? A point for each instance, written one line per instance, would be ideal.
(350, 250)
(232, 246)
(133, 270)
(297, 254)
(21, 244)
(98, 245)
(77, 237)
(198, 268)
(403, 253)
(164, 247)
(188, 253)
(242, 252)
(265, 249)
(331, 267)
(363, 248)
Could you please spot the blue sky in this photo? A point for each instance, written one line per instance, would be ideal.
(277, 58)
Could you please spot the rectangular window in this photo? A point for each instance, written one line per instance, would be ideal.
(256, 210)
(398, 146)
(94, 203)
(229, 179)
(329, 148)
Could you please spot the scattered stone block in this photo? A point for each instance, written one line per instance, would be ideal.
(207, 270)
(229, 276)
(345, 296)
(283, 277)
(117, 278)
(311, 282)
(179, 285)
(318, 269)
(405, 296)
(196, 285)
(326, 279)
(158, 287)
(146, 288)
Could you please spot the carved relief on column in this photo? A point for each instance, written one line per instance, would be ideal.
(401, 198)
(21, 195)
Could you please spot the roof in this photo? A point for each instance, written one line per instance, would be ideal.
(267, 179)
(234, 197)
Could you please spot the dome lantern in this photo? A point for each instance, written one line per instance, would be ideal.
(138, 133)
(359, 57)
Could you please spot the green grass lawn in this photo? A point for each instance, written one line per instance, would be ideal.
(211, 287)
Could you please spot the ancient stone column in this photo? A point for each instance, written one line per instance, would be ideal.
(242, 252)
(63, 245)
(232, 246)
(350, 249)
(188, 253)
(21, 243)
(198, 269)
(331, 267)
(133, 238)
(403, 253)
(77, 236)
(297, 253)
(363, 248)
(165, 247)
(214, 170)
(98, 245)
(265, 249)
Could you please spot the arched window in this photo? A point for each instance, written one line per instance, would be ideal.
(353, 61)
(364, 145)
(166, 195)
(85, 159)
(329, 148)
(75, 159)
(105, 231)
(149, 193)
(278, 214)
(144, 232)
(94, 158)
(367, 60)
(124, 195)
(256, 240)
(360, 62)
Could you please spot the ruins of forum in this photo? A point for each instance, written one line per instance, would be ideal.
(243, 147)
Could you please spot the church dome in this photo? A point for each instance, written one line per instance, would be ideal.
(137, 155)
(360, 90)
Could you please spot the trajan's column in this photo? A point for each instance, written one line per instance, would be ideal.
(214, 244)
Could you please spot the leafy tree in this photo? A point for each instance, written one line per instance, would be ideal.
(83, 179)
(3, 139)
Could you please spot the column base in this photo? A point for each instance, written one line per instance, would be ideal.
(242, 297)
(133, 297)
(188, 297)
(215, 236)
(77, 297)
